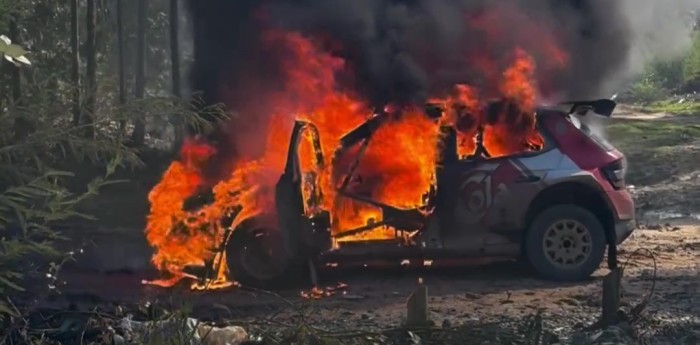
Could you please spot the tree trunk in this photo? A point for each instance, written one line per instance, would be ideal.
(75, 61)
(91, 81)
(21, 125)
(175, 46)
(175, 63)
(16, 76)
(122, 67)
(139, 134)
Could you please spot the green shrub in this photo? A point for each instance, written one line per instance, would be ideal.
(647, 90)
(691, 66)
(667, 75)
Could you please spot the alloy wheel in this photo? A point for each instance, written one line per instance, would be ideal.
(567, 243)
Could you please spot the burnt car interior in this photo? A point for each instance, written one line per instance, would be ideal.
(291, 202)
(312, 232)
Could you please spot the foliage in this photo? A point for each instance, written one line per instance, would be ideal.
(662, 78)
(681, 106)
(647, 90)
(35, 196)
(42, 154)
(691, 65)
(666, 75)
(39, 197)
(13, 52)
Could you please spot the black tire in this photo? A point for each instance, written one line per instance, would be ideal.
(551, 257)
(256, 258)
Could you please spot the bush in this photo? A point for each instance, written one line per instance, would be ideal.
(659, 80)
(662, 78)
(667, 75)
(691, 67)
(647, 90)
(39, 194)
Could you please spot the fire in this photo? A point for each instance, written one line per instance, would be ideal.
(397, 169)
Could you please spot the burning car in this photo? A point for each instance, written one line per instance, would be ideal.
(481, 172)
(558, 205)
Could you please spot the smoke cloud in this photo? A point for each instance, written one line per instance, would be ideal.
(403, 51)
(659, 29)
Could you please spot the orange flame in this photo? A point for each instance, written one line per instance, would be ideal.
(397, 168)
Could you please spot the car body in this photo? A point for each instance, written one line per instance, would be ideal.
(558, 207)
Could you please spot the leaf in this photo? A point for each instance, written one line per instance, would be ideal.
(5, 41)
(111, 182)
(5, 309)
(14, 51)
(11, 284)
(23, 60)
(415, 339)
(59, 173)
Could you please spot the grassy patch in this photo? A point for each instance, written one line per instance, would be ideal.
(645, 134)
(654, 148)
(673, 107)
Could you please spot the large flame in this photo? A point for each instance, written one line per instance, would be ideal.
(397, 169)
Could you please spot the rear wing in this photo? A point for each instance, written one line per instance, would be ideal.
(603, 107)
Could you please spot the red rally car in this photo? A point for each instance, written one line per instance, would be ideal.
(559, 207)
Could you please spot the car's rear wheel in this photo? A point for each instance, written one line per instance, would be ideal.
(565, 243)
(256, 257)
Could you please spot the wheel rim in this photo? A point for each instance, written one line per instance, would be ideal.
(567, 243)
(261, 257)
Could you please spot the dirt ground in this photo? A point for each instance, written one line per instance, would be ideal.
(665, 173)
(377, 298)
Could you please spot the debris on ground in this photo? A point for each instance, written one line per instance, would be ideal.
(188, 330)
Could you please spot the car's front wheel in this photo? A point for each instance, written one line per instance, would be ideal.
(256, 257)
(565, 243)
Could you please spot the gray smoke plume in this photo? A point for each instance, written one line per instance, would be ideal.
(403, 51)
(659, 30)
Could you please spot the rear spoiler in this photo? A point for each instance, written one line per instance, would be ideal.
(603, 107)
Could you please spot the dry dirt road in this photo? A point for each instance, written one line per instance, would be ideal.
(377, 298)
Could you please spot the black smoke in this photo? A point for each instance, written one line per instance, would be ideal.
(402, 51)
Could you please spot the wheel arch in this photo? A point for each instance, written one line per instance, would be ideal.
(580, 193)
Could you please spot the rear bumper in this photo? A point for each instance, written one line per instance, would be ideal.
(623, 230)
(622, 205)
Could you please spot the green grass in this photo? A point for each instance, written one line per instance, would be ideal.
(654, 147)
(650, 134)
(673, 107)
